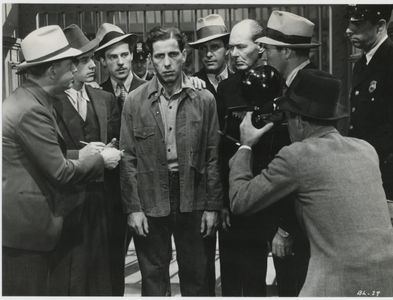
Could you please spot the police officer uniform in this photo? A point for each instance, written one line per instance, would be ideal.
(371, 98)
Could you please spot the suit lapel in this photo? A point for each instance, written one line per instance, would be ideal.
(70, 118)
(101, 111)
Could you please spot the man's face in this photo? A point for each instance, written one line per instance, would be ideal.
(275, 57)
(213, 56)
(85, 68)
(168, 60)
(362, 35)
(63, 74)
(118, 59)
(243, 50)
(139, 67)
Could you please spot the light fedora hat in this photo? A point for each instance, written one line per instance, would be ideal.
(109, 34)
(288, 30)
(78, 39)
(45, 44)
(209, 28)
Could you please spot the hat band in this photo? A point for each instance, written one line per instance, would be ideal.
(110, 36)
(210, 30)
(45, 57)
(285, 38)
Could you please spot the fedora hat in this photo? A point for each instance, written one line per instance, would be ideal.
(286, 29)
(314, 94)
(45, 44)
(78, 39)
(209, 28)
(109, 34)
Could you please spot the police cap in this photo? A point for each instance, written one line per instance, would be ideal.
(140, 52)
(372, 13)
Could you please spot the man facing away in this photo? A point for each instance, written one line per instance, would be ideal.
(169, 176)
(337, 183)
(40, 185)
(86, 115)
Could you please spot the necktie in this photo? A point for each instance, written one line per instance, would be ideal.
(123, 93)
(81, 105)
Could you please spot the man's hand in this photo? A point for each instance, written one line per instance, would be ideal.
(249, 135)
(282, 244)
(209, 223)
(198, 83)
(111, 157)
(94, 84)
(138, 222)
(91, 149)
(114, 143)
(225, 219)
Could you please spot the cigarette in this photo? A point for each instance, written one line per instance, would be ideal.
(84, 143)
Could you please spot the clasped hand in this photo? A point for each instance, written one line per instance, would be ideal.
(109, 153)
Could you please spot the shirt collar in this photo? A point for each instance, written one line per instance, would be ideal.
(127, 83)
(370, 54)
(292, 75)
(223, 75)
(73, 94)
(184, 85)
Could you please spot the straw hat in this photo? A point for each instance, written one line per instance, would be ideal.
(286, 29)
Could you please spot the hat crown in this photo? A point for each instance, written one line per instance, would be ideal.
(43, 42)
(105, 28)
(75, 36)
(210, 20)
(290, 24)
(315, 94)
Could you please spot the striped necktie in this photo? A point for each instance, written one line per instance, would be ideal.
(123, 93)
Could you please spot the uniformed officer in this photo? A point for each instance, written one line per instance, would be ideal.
(372, 84)
(140, 61)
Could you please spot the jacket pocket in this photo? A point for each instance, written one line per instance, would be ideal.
(145, 137)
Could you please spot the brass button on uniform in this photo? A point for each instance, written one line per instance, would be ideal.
(351, 127)
(353, 109)
(357, 93)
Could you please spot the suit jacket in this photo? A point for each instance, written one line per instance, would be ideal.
(333, 178)
(203, 75)
(372, 106)
(136, 81)
(69, 123)
(38, 180)
(229, 94)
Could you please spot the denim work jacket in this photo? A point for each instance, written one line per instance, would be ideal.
(144, 168)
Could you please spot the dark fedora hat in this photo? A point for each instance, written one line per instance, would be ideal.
(78, 39)
(314, 94)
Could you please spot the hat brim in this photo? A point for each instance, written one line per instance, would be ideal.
(208, 38)
(90, 46)
(270, 41)
(129, 38)
(286, 103)
(71, 52)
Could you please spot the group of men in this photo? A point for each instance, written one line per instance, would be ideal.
(319, 204)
